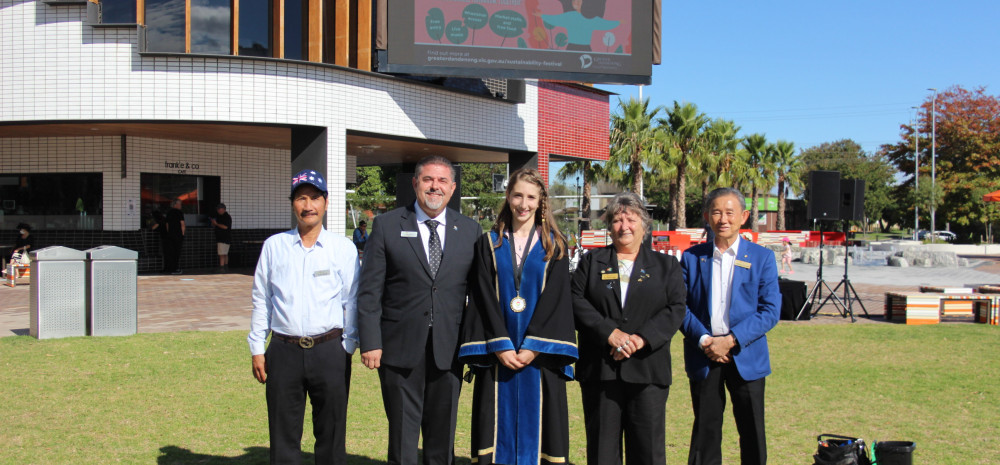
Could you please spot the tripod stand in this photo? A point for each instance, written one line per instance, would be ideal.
(848, 288)
(817, 291)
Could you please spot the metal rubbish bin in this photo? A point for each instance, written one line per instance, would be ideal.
(58, 302)
(112, 291)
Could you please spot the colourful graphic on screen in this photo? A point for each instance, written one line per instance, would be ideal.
(592, 26)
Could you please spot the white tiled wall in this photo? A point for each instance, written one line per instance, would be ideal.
(254, 180)
(53, 67)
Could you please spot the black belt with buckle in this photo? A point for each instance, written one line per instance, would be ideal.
(306, 342)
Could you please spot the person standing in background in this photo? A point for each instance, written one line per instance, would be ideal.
(786, 255)
(361, 235)
(176, 229)
(223, 224)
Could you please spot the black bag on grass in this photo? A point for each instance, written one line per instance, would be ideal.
(840, 450)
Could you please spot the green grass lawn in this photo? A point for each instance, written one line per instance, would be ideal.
(190, 398)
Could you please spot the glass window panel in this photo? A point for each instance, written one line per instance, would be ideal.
(118, 11)
(294, 30)
(165, 25)
(199, 195)
(31, 198)
(255, 28)
(210, 26)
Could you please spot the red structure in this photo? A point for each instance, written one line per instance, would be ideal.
(573, 123)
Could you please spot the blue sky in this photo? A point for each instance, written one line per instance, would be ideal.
(812, 72)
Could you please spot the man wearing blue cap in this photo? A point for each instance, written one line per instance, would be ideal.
(304, 294)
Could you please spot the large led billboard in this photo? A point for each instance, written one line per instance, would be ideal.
(608, 41)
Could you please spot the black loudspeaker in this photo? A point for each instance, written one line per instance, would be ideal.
(824, 195)
(852, 199)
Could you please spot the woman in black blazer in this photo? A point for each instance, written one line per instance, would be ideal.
(628, 301)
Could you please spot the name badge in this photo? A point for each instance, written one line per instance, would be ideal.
(321, 273)
(743, 264)
(407, 234)
(609, 276)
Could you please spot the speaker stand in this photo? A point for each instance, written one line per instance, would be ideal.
(817, 290)
(850, 294)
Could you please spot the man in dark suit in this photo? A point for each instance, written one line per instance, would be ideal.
(410, 304)
(732, 302)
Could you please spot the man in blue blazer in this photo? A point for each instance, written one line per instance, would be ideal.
(732, 302)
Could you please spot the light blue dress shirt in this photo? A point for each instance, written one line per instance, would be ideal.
(301, 291)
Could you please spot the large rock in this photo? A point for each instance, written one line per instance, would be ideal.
(898, 261)
(922, 257)
(831, 256)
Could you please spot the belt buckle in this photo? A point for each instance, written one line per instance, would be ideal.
(306, 342)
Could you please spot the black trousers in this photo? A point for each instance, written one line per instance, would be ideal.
(324, 374)
(421, 399)
(708, 398)
(172, 252)
(613, 410)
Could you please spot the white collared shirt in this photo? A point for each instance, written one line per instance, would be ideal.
(424, 232)
(723, 263)
(299, 291)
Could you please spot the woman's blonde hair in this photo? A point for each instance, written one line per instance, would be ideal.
(553, 241)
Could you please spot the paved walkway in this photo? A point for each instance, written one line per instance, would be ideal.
(188, 302)
(221, 302)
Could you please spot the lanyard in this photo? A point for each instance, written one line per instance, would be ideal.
(519, 267)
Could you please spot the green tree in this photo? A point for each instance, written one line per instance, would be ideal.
(589, 173)
(761, 170)
(566, 223)
(374, 190)
(477, 181)
(721, 143)
(685, 123)
(633, 143)
(788, 169)
(967, 149)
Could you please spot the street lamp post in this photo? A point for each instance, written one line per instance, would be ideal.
(916, 176)
(579, 205)
(933, 163)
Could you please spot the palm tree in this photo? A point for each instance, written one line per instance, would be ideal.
(759, 155)
(685, 123)
(591, 174)
(632, 142)
(721, 145)
(788, 169)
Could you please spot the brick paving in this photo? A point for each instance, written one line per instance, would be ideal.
(188, 302)
(221, 302)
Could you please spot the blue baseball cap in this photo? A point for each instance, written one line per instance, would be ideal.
(309, 177)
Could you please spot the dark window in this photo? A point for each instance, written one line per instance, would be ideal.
(199, 195)
(52, 200)
(118, 11)
(211, 26)
(255, 28)
(165, 25)
(294, 29)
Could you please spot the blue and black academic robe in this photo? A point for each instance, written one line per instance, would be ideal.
(519, 417)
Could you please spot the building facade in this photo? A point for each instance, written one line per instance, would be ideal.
(99, 127)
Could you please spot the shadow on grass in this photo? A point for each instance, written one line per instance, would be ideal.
(171, 455)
